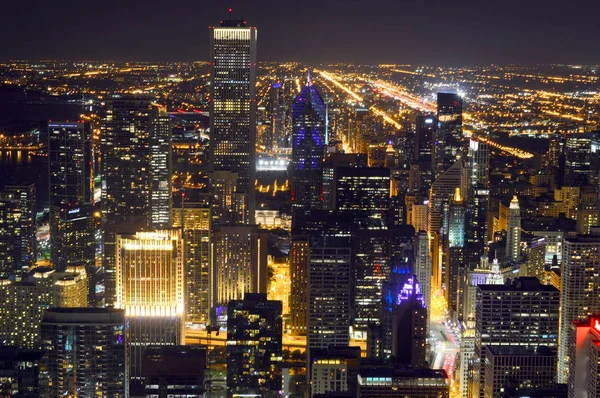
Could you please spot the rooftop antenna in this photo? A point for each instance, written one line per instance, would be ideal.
(230, 10)
(308, 80)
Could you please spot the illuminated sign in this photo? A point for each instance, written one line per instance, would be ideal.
(429, 121)
(74, 211)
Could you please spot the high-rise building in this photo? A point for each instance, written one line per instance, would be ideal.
(513, 231)
(160, 169)
(239, 262)
(403, 382)
(362, 190)
(500, 319)
(21, 371)
(254, 344)
(476, 190)
(518, 367)
(150, 288)
(195, 218)
(86, 352)
(584, 354)
(278, 139)
(17, 229)
(329, 293)
(580, 293)
(422, 269)
(23, 305)
(308, 150)
(71, 182)
(448, 140)
(454, 250)
(174, 371)
(299, 267)
(579, 156)
(134, 138)
(69, 287)
(233, 105)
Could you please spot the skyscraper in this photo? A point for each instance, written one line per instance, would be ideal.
(71, 182)
(17, 229)
(513, 232)
(454, 250)
(422, 269)
(308, 151)
(233, 105)
(500, 319)
(580, 294)
(277, 116)
(447, 144)
(195, 218)
(239, 262)
(135, 166)
(254, 343)
(85, 352)
(150, 288)
(362, 190)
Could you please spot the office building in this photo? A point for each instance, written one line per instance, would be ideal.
(579, 154)
(69, 288)
(160, 169)
(17, 229)
(518, 367)
(584, 364)
(403, 382)
(500, 320)
(362, 190)
(424, 133)
(580, 293)
(334, 369)
(448, 139)
(513, 231)
(233, 73)
(422, 269)
(278, 138)
(195, 218)
(20, 372)
(71, 182)
(239, 262)
(132, 131)
(299, 266)
(308, 150)
(85, 352)
(174, 371)
(329, 294)
(254, 338)
(454, 250)
(150, 288)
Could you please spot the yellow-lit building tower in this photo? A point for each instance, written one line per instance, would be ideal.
(150, 288)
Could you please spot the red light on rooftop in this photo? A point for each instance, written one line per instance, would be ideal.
(595, 324)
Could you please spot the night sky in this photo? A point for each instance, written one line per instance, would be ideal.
(440, 32)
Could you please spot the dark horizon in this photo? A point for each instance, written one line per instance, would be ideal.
(468, 32)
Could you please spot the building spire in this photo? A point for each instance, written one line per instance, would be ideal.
(308, 79)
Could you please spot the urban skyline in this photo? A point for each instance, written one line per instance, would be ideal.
(265, 229)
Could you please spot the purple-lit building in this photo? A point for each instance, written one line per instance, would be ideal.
(308, 151)
(403, 330)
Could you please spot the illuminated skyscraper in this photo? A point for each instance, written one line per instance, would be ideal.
(85, 352)
(580, 293)
(254, 338)
(447, 143)
(233, 105)
(134, 168)
(278, 116)
(299, 266)
(150, 288)
(195, 218)
(424, 134)
(422, 269)
(17, 229)
(308, 151)
(454, 250)
(71, 181)
(239, 262)
(362, 190)
(513, 232)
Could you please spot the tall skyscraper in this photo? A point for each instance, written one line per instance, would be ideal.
(424, 135)
(513, 231)
(160, 169)
(454, 250)
(195, 218)
(299, 267)
(277, 116)
(239, 262)
(85, 352)
(500, 319)
(254, 343)
(150, 288)
(422, 269)
(135, 136)
(447, 144)
(308, 151)
(580, 294)
(362, 190)
(71, 182)
(233, 105)
(18, 240)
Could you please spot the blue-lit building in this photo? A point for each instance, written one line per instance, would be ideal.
(308, 151)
